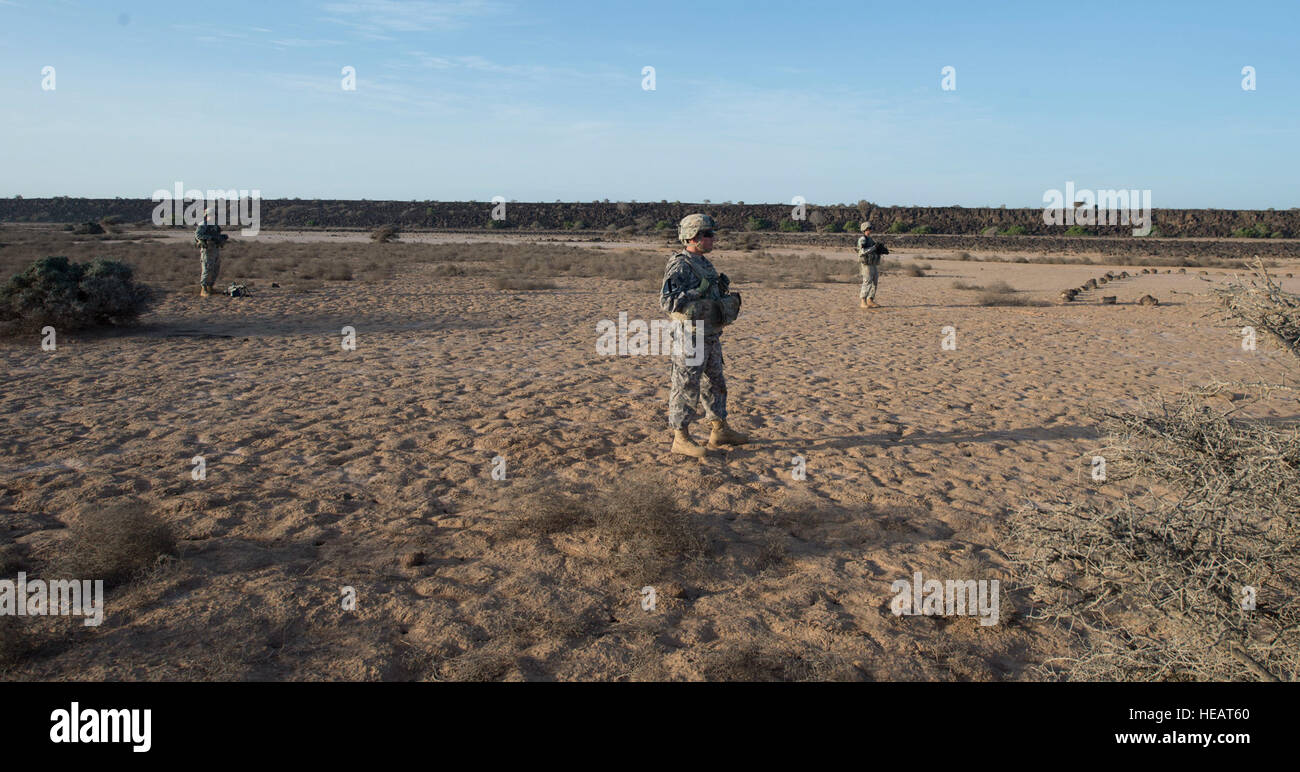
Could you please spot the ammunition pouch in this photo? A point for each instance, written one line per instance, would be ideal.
(729, 308)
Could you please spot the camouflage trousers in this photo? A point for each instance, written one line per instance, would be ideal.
(210, 264)
(870, 275)
(697, 383)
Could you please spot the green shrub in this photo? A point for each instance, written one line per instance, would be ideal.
(1257, 231)
(897, 226)
(1077, 230)
(758, 224)
(72, 296)
(922, 229)
(661, 225)
(790, 226)
(1013, 230)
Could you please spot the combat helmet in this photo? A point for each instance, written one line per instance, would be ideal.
(692, 224)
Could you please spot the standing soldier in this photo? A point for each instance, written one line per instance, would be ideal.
(694, 293)
(869, 253)
(209, 238)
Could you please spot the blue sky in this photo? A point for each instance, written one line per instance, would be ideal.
(754, 101)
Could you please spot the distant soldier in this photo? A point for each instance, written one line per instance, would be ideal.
(869, 254)
(210, 239)
(694, 293)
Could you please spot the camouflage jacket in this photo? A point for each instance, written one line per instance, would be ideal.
(209, 235)
(869, 251)
(680, 297)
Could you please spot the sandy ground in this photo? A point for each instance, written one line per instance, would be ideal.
(326, 467)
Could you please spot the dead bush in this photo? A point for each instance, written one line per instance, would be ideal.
(1265, 306)
(384, 234)
(638, 519)
(1195, 577)
(1002, 299)
(116, 543)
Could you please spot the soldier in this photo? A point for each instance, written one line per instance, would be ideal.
(209, 238)
(694, 293)
(869, 253)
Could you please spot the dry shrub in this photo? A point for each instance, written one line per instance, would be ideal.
(965, 285)
(546, 261)
(384, 234)
(638, 519)
(1155, 584)
(783, 270)
(1001, 299)
(1266, 307)
(116, 543)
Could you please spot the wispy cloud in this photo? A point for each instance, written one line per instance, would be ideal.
(378, 17)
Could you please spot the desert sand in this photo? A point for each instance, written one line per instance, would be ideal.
(372, 469)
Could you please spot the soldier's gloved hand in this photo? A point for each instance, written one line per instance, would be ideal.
(704, 286)
(724, 283)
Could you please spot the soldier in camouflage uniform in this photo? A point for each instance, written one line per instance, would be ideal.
(210, 239)
(869, 253)
(694, 293)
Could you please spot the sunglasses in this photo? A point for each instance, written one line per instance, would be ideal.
(705, 234)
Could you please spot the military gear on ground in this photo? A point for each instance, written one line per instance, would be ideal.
(723, 435)
(237, 291)
(685, 446)
(692, 224)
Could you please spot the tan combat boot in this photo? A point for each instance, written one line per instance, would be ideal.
(685, 446)
(872, 304)
(204, 291)
(723, 435)
(862, 303)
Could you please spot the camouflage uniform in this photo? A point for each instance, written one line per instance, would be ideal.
(680, 298)
(869, 252)
(209, 238)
